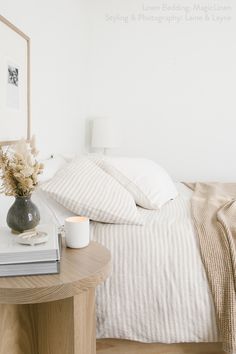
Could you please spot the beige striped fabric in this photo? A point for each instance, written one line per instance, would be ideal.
(85, 189)
(214, 213)
(158, 290)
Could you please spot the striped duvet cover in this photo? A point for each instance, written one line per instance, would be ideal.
(158, 291)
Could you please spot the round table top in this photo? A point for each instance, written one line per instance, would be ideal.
(81, 269)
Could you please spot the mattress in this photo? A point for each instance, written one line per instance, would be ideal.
(158, 291)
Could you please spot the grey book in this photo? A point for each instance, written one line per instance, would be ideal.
(36, 268)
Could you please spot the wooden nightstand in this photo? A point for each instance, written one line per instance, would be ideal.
(54, 314)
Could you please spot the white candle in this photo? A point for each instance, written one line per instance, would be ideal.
(77, 231)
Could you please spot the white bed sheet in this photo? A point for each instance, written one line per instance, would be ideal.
(158, 291)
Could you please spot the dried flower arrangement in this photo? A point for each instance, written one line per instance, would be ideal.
(19, 169)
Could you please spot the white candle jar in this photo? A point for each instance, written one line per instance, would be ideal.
(77, 232)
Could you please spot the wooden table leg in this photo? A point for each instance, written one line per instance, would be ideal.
(61, 327)
(17, 330)
(67, 326)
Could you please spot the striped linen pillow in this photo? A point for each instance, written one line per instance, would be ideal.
(85, 189)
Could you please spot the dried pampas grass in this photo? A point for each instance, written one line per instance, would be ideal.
(19, 169)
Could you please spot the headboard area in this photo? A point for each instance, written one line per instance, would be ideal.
(14, 83)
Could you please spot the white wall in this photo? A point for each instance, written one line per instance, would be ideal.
(169, 80)
(58, 31)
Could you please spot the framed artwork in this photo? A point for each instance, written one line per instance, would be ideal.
(14, 83)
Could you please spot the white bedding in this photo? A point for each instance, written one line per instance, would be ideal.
(158, 290)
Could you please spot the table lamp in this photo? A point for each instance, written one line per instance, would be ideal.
(104, 134)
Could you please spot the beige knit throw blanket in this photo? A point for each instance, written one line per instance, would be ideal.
(214, 215)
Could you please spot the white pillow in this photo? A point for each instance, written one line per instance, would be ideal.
(149, 184)
(85, 189)
(5, 204)
(51, 166)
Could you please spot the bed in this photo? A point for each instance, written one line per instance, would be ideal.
(158, 291)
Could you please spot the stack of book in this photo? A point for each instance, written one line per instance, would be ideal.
(17, 259)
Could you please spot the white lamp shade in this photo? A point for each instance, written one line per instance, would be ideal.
(104, 134)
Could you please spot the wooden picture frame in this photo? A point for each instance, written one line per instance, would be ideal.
(15, 110)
